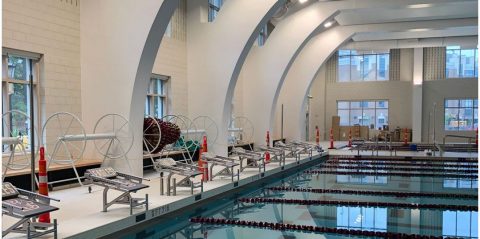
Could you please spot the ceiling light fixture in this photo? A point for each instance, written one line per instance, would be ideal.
(302, 1)
(328, 24)
(424, 5)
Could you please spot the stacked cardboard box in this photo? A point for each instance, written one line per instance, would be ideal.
(341, 132)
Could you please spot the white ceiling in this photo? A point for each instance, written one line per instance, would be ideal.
(418, 12)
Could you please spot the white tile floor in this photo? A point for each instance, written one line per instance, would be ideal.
(80, 213)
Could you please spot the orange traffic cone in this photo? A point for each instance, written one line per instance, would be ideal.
(317, 137)
(331, 139)
(268, 139)
(405, 137)
(350, 138)
(43, 183)
(267, 157)
(205, 149)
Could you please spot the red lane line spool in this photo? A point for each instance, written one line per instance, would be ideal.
(43, 183)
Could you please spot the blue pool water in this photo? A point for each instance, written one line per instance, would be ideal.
(421, 221)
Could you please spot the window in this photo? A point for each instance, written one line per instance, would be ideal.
(461, 63)
(360, 179)
(168, 31)
(363, 218)
(460, 224)
(262, 36)
(461, 114)
(17, 70)
(156, 96)
(460, 183)
(213, 9)
(362, 66)
(366, 113)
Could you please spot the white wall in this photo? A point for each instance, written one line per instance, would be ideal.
(119, 44)
(171, 60)
(398, 94)
(436, 92)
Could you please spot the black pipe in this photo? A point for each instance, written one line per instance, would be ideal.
(32, 129)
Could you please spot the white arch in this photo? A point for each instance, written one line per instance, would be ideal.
(319, 49)
(119, 42)
(267, 66)
(216, 51)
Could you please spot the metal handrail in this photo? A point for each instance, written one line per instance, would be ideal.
(458, 136)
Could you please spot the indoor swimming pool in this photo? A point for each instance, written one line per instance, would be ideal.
(338, 198)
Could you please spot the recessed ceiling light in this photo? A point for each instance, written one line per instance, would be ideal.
(302, 1)
(328, 24)
(424, 5)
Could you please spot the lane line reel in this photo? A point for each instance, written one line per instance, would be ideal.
(64, 139)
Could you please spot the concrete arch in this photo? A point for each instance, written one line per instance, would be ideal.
(216, 53)
(307, 65)
(119, 43)
(267, 66)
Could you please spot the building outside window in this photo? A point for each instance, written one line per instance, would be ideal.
(155, 104)
(366, 113)
(362, 218)
(363, 66)
(17, 71)
(213, 9)
(461, 63)
(461, 114)
(460, 183)
(460, 224)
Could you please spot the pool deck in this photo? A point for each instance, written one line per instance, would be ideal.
(80, 213)
(81, 216)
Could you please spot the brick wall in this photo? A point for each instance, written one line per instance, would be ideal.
(51, 28)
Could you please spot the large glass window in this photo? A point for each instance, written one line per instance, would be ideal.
(362, 65)
(366, 113)
(461, 114)
(17, 73)
(461, 63)
(363, 218)
(155, 104)
(460, 224)
(213, 9)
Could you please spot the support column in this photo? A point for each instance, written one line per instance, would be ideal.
(417, 94)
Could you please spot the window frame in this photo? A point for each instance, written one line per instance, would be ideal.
(458, 108)
(460, 65)
(456, 222)
(363, 213)
(151, 96)
(6, 80)
(362, 108)
(213, 9)
(351, 55)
